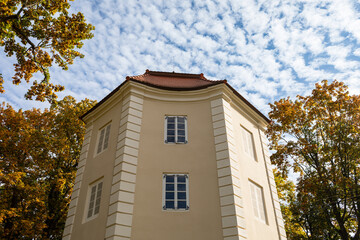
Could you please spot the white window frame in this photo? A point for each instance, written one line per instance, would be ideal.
(103, 138)
(175, 192)
(93, 201)
(176, 130)
(248, 143)
(258, 201)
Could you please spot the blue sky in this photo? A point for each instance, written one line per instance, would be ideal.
(267, 50)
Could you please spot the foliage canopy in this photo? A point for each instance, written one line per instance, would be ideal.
(40, 33)
(39, 151)
(318, 136)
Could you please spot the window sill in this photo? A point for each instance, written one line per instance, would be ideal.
(90, 218)
(176, 210)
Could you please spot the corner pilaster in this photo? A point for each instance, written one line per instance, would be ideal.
(78, 179)
(121, 205)
(231, 200)
(272, 185)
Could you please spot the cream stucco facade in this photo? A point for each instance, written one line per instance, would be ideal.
(131, 169)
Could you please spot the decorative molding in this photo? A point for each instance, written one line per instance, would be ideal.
(77, 185)
(272, 186)
(121, 205)
(140, 90)
(231, 200)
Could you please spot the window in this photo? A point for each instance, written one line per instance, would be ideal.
(103, 138)
(258, 201)
(94, 199)
(175, 129)
(175, 191)
(248, 143)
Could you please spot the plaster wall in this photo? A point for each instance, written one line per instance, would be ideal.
(257, 172)
(131, 168)
(98, 166)
(196, 158)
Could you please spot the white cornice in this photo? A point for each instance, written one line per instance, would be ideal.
(212, 92)
(119, 95)
(244, 108)
(176, 96)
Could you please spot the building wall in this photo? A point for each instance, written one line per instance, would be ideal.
(257, 172)
(98, 166)
(196, 158)
(137, 157)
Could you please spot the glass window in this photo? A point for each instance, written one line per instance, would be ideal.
(175, 192)
(258, 201)
(95, 198)
(175, 129)
(103, 142)
(248, 143)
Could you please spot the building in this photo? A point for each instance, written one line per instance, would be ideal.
(174, 156)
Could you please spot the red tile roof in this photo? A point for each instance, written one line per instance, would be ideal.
(174, 81)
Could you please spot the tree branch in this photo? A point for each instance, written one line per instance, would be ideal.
(7, 18)
(18, 31)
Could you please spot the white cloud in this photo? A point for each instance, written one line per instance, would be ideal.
(266, 49)
(357, 52)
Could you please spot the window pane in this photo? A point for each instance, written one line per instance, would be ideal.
(248, 143)
(98, 198)
(181, 132)
(169, 195)
(170, 132)
(181, 195)
(171, 126)
(181, 187)
(181, 139)
(170, 204)
(99, 188)
(260, 203)
(171, 139)
(97, 208)
(181, 204)
(101, 140)
(90, 212)
(170, 187)
(181, 178)
(175, 129)
(251, 145)
(107, 134)
(175, 191)
(254, 200)
(171, 119)
(93, 192)
(170, 178)
(92, 201)
(181, 119)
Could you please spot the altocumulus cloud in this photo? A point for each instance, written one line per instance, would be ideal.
(265, 49)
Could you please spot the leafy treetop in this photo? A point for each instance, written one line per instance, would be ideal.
(318, 136)
(39, 33)
(39, 153)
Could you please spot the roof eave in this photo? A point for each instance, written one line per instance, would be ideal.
(178, 88)
(175, 89)
(103, 100)
(248, 103)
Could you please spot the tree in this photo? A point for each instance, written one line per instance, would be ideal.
(286, 193)
(39, 151)
(318, 136)
(40, 33)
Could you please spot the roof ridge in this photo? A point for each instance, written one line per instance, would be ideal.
(198, 82)
(174, 75)
(180, 75)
